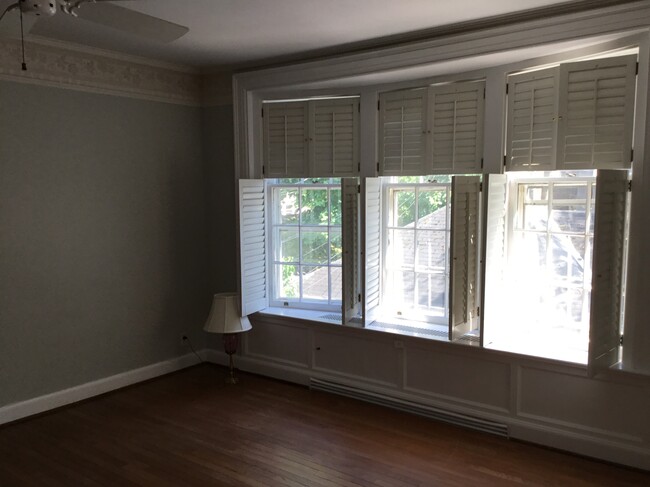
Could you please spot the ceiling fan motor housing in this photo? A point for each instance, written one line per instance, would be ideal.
(41, 8)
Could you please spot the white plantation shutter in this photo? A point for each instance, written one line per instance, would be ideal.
(252, 241)
(457, 126)
(286, 139)
(607, 277)
(532, 120)
(335, 140)
(464, 247)
(596, 113)
(495, 253)
(402, 133)
(371, 190)
(350, 232)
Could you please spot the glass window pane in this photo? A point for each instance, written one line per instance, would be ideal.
(568, 218)
(432, 250)
(536, 193)
(401, 248)
(566, 261)
(573, 192)
(286, 248)
(315, 282)
(402, 289)
(432, 209)
(335, 207)
(287, 281)
(336, 280)
(432, 293)
(315, 246)
(404, 207)
(535, 217)
(314, 207)
(336, 247)
(288, 209)
(568, 304)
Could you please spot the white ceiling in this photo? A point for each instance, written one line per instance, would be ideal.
(245, 32)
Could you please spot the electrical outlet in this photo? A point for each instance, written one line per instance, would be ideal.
(184, 339)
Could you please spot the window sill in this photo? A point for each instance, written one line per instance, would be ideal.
(329, 317)
(396, 326)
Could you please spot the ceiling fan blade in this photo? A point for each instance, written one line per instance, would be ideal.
(131, 22)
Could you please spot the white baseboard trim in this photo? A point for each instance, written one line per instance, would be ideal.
(41, 404)
(610, 449)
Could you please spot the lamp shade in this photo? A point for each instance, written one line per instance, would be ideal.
(224, 315)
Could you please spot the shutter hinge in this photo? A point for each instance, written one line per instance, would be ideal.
(620, 341)
(359, 107)
(262, 112)
(481, 163)
(506, 88)
(629, 185)
(359, 297)
(359, 167)
(377, 167)
(631, 155)
(478, 311)
(359, 188)
(262, 169)
(505, 161)
(480, 187)
(484, 93)
(378, 104)
(637, 68)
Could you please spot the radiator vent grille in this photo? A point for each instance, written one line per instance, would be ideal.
(451, 417)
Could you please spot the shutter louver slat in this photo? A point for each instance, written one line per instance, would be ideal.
(597, 110)
(372, 248)
(336, 128)
(464, 247)
(349, 232)
(402, 132)
(286, 139)
(252, 238)
(457, 127)
(532, 113)
(607, 276)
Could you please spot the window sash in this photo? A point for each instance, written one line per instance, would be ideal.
(300, 301)
(415, 311)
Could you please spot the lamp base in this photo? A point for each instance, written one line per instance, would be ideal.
(230, 342)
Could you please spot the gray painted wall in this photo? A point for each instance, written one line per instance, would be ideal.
(103, 244)
(218, 149)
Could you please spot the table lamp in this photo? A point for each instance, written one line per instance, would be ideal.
(224, 318)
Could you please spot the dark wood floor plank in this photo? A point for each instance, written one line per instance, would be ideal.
(191, 429)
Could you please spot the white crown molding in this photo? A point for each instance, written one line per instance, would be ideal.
(64, 65)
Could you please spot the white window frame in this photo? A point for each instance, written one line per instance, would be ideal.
(414, 313)
(516, 206)
(300, 302)
(325, 76)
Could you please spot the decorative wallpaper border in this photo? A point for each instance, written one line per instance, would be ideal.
(85, 69)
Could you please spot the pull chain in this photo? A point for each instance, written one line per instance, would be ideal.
(22, 39)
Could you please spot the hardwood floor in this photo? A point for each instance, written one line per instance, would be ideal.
(191, 429)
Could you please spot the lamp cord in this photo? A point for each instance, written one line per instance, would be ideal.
(193, 351)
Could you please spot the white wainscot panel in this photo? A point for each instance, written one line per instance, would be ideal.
(460, 378)
(357, 358)
(279, 343)
(592, 406)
